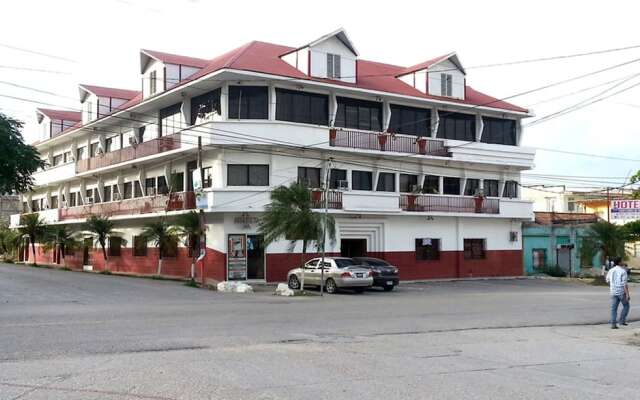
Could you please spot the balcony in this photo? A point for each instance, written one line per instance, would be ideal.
(154, 146)
(454, 204)
(387, 142)
(334, 199)
(141, 205)
(47, 216)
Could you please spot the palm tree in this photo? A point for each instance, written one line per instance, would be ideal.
(290, 215)
(61, 239)
(191, 229)
(610, 238)
(163, 235)
(33, 227)
(103, 229)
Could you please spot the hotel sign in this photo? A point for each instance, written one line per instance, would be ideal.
(625, 209)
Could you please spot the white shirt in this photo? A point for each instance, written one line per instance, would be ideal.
(617, 279)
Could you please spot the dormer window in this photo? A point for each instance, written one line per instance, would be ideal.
(152, 83)
(446, 85)
(333, 66)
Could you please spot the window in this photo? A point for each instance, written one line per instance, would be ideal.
(107, 193)
(150, 186)
(72, 199)
(206, 173)
(139, 246)
(140, 134)
(137, 189)
(57, 160)
(295, 106)
(205, 106)
(54, 202)
(451, 185)
(446, 85)
(333, 66)
(491, 188)
(361, 180)
(410, 120)
(309, 177)
(115, 246)
(499, 131)
(108, 145)
(93, 149)
(152, 82)
(248, 102)
(408, 183)
(511, 189)
(457, 126)
(128, 190)
(359, 114)
(66, 156)
(170, 119)
(427, 249)
(162, 185)
(431, 184)
(80, 153)
(335, 176)
(474, 249)
(177, 182)
(247, 175)
(386, 182)
(57, 126)
(89, 195)
(472, 187)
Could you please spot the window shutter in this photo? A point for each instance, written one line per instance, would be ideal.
(449, 85)
(443, 84)
(336, 66)
(329, 65)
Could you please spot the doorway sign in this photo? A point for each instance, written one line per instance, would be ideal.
(237, 257)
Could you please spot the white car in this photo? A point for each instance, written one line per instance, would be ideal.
(339, 273)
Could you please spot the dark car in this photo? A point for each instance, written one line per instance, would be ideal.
(384, 274)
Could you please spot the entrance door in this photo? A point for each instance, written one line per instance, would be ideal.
(564, 259)
(255, 257)
(353, 247)
(87, 244)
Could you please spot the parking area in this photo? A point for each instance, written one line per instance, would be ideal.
(89, 336)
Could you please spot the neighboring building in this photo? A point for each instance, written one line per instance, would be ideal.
(9, 205)
(555, 239)
(268, 115)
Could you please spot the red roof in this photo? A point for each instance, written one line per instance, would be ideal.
(554, 218)
(111, 92)
(423, 65)
(61, 114)
(176, 59)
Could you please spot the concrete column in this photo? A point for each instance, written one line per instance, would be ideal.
(224, 102)
(441, 184)
(83, 191)
(501, 185)
(519, 132)
(74, 149)
(102, 139)
(435, 121)
(185, 109)
(48, 198)
(272, 102)
(397, 182)
(142, 176)
(333, 109)
(120, 185)
(479, 127)
(376, 176)
(386, 115)
(100, 187)
(463, 185)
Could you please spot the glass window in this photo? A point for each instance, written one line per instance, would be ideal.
(107, 193)
(474, 249)
(80, 153)
(446, 85)
(54, 202)
(335, 176)
(139, 246)
(499, 131)
(57, 160)
(451, 185)
(472, 187)
(457, 126)
(205, 106)
(296, 106)
(93, 149)
(108, 145)
(431, 184)
(150, 186)
(128, 190)
(410, 120)
(491, 188)
(66, 156)
(152, 82)
(427, 249)
(361, 180)
(115, 246)
(408, 183)
(247, 175)
(359, 114)
(309, 177)
(207, 180)
(386, 182)
(137, 189)
(511, 189)
(170, 120)
(72, 199)
(177, 182)
(162, 185)
(248, 102)
(333, 66)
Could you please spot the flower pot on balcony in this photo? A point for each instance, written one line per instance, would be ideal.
(316, 196)
(332, 136)
(422, 145)
(411, 201)
(479, 202)
(382, 140)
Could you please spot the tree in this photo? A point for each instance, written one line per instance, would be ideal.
(163, 235)
(190, 228)
(33, 227)
(60, 239)
(9, 241)
(103, 229)
(290, 215)
(16, 170)
(608, 237)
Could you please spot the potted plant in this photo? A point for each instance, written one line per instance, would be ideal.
(479, 202)
(332, 136)
(382, 140)
(316, 195)
(412, 197)
(422, 145)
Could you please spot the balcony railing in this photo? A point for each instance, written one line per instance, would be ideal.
(334, 199)
(140, 205)
(154, 146)
(459, 204)
(387, 142)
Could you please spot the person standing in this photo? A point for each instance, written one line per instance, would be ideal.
(617, 278)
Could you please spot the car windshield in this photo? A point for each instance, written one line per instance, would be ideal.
(378, 263)
(344, 262)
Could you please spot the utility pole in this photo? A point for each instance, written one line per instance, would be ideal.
(608, 205)
(202, 245)
(324, 225)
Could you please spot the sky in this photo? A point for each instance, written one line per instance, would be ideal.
(98, 42)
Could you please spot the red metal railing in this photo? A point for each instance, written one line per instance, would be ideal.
(154, 146)
(335, 199)
(387, 142)
(459, 204)
(140, 205)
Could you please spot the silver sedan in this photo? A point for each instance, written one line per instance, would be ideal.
(339, 273)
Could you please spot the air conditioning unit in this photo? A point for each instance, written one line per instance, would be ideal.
(89, 200)
(151, 191)
(343, 185)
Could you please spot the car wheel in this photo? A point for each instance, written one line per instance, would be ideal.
(294, 283)
(359, 290)
(331, 286)
(388, 288)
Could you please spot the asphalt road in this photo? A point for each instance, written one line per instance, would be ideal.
(68, 335)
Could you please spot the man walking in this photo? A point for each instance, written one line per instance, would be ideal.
(617, 279)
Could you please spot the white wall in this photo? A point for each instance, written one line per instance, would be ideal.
(446, 67)
(89, 108)
(333, 46)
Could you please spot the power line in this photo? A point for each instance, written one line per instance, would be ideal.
(29, 69)
(36, 53)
